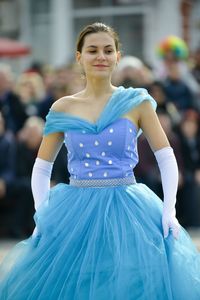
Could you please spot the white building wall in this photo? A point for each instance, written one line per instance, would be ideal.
(195, 26)
(163, 19)
(53, 42)
(61, 32)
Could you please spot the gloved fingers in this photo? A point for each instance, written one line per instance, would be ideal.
(165, 230)
(176, 230)
(174, 227)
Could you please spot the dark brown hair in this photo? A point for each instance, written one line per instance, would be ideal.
(95, 28)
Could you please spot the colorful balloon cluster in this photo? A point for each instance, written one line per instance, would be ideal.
(175, 45)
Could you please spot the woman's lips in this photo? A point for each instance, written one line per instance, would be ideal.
(100, 66)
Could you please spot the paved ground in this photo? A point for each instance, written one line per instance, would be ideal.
(6, 245)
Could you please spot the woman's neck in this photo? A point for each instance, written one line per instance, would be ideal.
(98, 88)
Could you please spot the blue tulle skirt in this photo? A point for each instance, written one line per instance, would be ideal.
(101, 244)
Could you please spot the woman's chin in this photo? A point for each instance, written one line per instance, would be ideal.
(100, 74)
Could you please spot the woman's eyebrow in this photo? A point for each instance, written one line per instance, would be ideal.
(93, 46)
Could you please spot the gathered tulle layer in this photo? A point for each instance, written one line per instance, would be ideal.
(101, 244)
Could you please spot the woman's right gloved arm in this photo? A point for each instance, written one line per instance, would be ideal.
(40, 183)
(40, 180)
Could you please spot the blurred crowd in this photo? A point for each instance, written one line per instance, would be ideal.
(25, 101)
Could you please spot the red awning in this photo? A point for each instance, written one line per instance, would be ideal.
(12, 48)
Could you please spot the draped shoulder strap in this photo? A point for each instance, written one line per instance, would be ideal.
(62, 122)
(124, 101)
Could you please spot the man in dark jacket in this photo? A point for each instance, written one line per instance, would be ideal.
(10, 105)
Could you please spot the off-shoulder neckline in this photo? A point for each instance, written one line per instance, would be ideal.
(72, 116)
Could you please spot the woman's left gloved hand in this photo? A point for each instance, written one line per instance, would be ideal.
(169, 177)
(170, 222)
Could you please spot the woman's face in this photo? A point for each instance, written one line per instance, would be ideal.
(189, 128)
(99, 56)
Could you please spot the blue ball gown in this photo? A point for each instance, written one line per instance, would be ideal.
(100, 237)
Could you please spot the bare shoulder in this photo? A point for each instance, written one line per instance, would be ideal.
(145, 109)
(66, 103)
(145, 106)
(62, 104)
(146, 114)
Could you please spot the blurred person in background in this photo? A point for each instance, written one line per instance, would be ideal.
(131, 72)
(196, 66)
(30, 87)
(49, 79)
(11, 107)
(157, 91)
(36, 67)
(7, 176)
(175, 63)
(176, 90)
(189, 135)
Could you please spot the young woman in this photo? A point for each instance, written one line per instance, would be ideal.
(103, 236)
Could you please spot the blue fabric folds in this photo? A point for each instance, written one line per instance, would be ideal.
(122, 101)
(101, 243)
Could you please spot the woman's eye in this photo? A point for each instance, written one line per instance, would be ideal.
(109, 51)
(106, 51)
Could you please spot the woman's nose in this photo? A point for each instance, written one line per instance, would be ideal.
(101, 55)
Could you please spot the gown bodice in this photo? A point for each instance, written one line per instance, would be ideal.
(111, 153)
(106, 149)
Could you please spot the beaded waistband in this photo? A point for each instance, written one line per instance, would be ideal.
(102, 182)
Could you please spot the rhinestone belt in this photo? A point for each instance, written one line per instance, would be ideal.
(102, 182)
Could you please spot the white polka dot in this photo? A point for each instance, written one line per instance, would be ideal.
(130, 130)
(86, 164)
(72, 169)
(96, 143)
(110, 162)
(66, 134)
(109, 143)
(129, 147)
(103, 153)
(90, 174)
(97, 162)
(69, 152)
(81, 145)
(131, 155)
(75, 176)
(131, 166)
(111, 130)
(87, 155)
(105, 174)
(83, 131)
